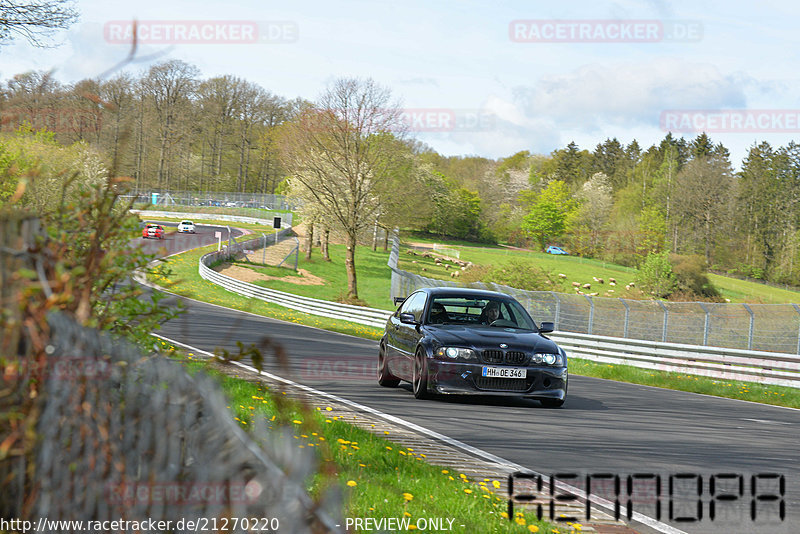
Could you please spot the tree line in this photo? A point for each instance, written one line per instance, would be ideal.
(350, 158)
(166, 128)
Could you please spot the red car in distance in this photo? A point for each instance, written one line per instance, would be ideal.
(155, 231)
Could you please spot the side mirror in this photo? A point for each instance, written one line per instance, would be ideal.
(408, 318)
(546, 327)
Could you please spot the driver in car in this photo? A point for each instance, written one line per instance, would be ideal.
(438, 313)
(490, 313)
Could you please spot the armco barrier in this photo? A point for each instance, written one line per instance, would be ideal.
(323, 308)
(713, 362)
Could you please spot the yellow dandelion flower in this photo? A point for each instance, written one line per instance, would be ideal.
(445, 471)
(352, 483)
(520, 520)
(467, 491)
(533, 528)
(408, 496)
(406, 514)
(496, 484)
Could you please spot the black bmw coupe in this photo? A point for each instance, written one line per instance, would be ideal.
(466, 341)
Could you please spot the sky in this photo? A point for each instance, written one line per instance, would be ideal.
(478, 79)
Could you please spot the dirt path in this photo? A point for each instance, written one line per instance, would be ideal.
(249, 275)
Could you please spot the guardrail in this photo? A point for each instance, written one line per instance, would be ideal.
(714, 362)
(356, 314)
(286, 217)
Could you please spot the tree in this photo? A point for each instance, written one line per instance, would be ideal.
(591, 217)
(34, 20)
(704, 190)
(546, 219)
(655, 276)
(169, 86)
(341, 153)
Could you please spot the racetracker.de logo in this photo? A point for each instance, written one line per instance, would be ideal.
(446, 120)
(604, 31)
(731, 121)
(200, 32)
(183, 493)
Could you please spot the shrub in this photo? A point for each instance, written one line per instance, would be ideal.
(691, 276)
(656, 276)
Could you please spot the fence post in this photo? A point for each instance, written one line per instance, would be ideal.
(591, 313)
(750, 333)
(666, 319)
(229, 239)
(558, 309)
(627, 317)
(797, 309)
(264, 254)
(705, 326)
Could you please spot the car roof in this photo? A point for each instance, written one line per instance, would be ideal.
(464, 291)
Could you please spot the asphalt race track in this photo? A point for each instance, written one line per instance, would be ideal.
(605, 428)
(174, 242)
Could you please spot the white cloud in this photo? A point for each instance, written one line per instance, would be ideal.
(594, 96)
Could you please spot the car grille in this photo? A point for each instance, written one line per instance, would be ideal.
(502, 384)
(515, 358)
(510, 357)
(493, 356)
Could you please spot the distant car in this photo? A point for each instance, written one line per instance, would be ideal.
(552, 249)
(467, 341)
(154, 231)
(186, 227)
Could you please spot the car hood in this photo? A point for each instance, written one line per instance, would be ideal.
(487, 337)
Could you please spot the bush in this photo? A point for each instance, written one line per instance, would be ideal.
(516, 273)
(691, 276)
(656, 276)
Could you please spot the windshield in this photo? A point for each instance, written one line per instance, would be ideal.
(479, 312)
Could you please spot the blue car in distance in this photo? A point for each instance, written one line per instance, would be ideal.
(552, 249)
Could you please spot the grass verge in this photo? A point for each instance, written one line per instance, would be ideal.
(731, 389)
(379, 478)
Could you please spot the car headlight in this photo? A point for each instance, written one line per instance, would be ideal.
(547, 359)
(455, 353)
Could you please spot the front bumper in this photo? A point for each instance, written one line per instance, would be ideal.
(465, 379)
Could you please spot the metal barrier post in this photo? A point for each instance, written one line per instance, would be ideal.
(627, 317)
(666, 319)
(264, 254)
(750, 333)
(558, 309)
(591, 313)
(797, 309)
(705, 326)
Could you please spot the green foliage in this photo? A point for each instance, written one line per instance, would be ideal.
(656, 276)
(516, 273)
(546, 220)
(457, 211)
(88, 234)
(691, 276)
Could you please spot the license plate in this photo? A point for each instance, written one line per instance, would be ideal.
(504, 372)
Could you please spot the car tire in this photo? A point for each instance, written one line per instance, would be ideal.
(419, 379)
(385, 378)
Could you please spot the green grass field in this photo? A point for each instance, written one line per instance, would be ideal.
(372, 273)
